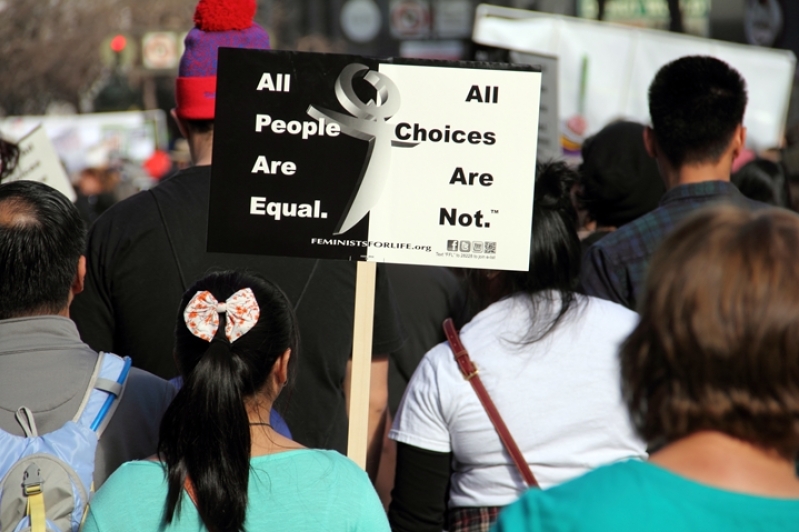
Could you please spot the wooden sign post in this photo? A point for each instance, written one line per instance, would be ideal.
(361, 362)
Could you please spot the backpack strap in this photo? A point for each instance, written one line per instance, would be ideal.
(169, 240)
(105, 389)
(27, 422)
(188, 485)
(32, 483)
(84, 402)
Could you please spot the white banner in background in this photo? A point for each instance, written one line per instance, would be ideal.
(620, 63)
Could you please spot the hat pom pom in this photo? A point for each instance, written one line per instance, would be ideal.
(224, 15)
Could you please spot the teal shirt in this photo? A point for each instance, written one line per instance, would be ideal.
(639, 496)
(303, 490)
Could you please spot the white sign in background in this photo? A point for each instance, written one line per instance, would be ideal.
(549, 119)
(88, 140)
(38, 161)
(410, 208)
(161, 50)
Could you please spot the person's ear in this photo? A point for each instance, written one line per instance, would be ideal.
(650, 143)
(738, 141)
(181, 124)
(80, 276)
(281, 370)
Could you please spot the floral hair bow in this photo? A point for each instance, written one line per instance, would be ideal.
(202, 314)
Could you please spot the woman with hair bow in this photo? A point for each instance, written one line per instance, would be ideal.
(221, 465)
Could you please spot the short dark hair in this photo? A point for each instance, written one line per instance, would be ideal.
(696, 103)
(619, 180)
(198, 126)
(555, 250)
(716, 345)
(205, 432)
(42, 238)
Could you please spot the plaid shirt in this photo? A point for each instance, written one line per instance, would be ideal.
(477, 519)
(614, 267)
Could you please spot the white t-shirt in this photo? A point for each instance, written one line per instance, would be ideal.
(560, 398)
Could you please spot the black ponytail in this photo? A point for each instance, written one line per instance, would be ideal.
(555, 252)
(205, 433)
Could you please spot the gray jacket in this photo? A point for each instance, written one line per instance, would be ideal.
(46, 367)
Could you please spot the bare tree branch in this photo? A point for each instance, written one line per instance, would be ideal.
(50, 50)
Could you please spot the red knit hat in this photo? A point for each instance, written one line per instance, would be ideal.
(227, 23)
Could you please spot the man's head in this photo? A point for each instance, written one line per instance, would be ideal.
(697, 106)
(218, 23)
(42, 238)
(619, 181)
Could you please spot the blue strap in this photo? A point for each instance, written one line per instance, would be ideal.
(111, 397)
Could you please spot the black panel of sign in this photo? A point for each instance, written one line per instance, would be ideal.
(239, 149)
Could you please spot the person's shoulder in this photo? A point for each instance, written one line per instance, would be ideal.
(123, 223)
(132, 208)
(599, 500)
(503, 314)
(135, 473)
(145, 383)
(437, 365)
(754, 205)
(625, 475)
(611, 311)
(349, 493)
(631, 238)
(437, 353)
(345, 466)
(141, 209)
(605, 324)
(130, 499)
(325, 464)
(145, 397)
(132, 481)
(325, 458)
(185, 190)
(349, 476)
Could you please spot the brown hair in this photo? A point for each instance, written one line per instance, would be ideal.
(717, 347)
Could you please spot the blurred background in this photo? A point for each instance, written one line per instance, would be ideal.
(67, 56)
(99, 74)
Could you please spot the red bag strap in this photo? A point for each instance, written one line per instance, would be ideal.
(469, 371)
(189, 487)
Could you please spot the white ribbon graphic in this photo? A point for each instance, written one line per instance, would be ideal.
(368, 122)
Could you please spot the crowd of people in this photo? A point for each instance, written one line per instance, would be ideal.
(642, 375)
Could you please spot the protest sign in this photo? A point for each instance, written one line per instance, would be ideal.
(38, 161)
(341, 157)
(549, 121)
